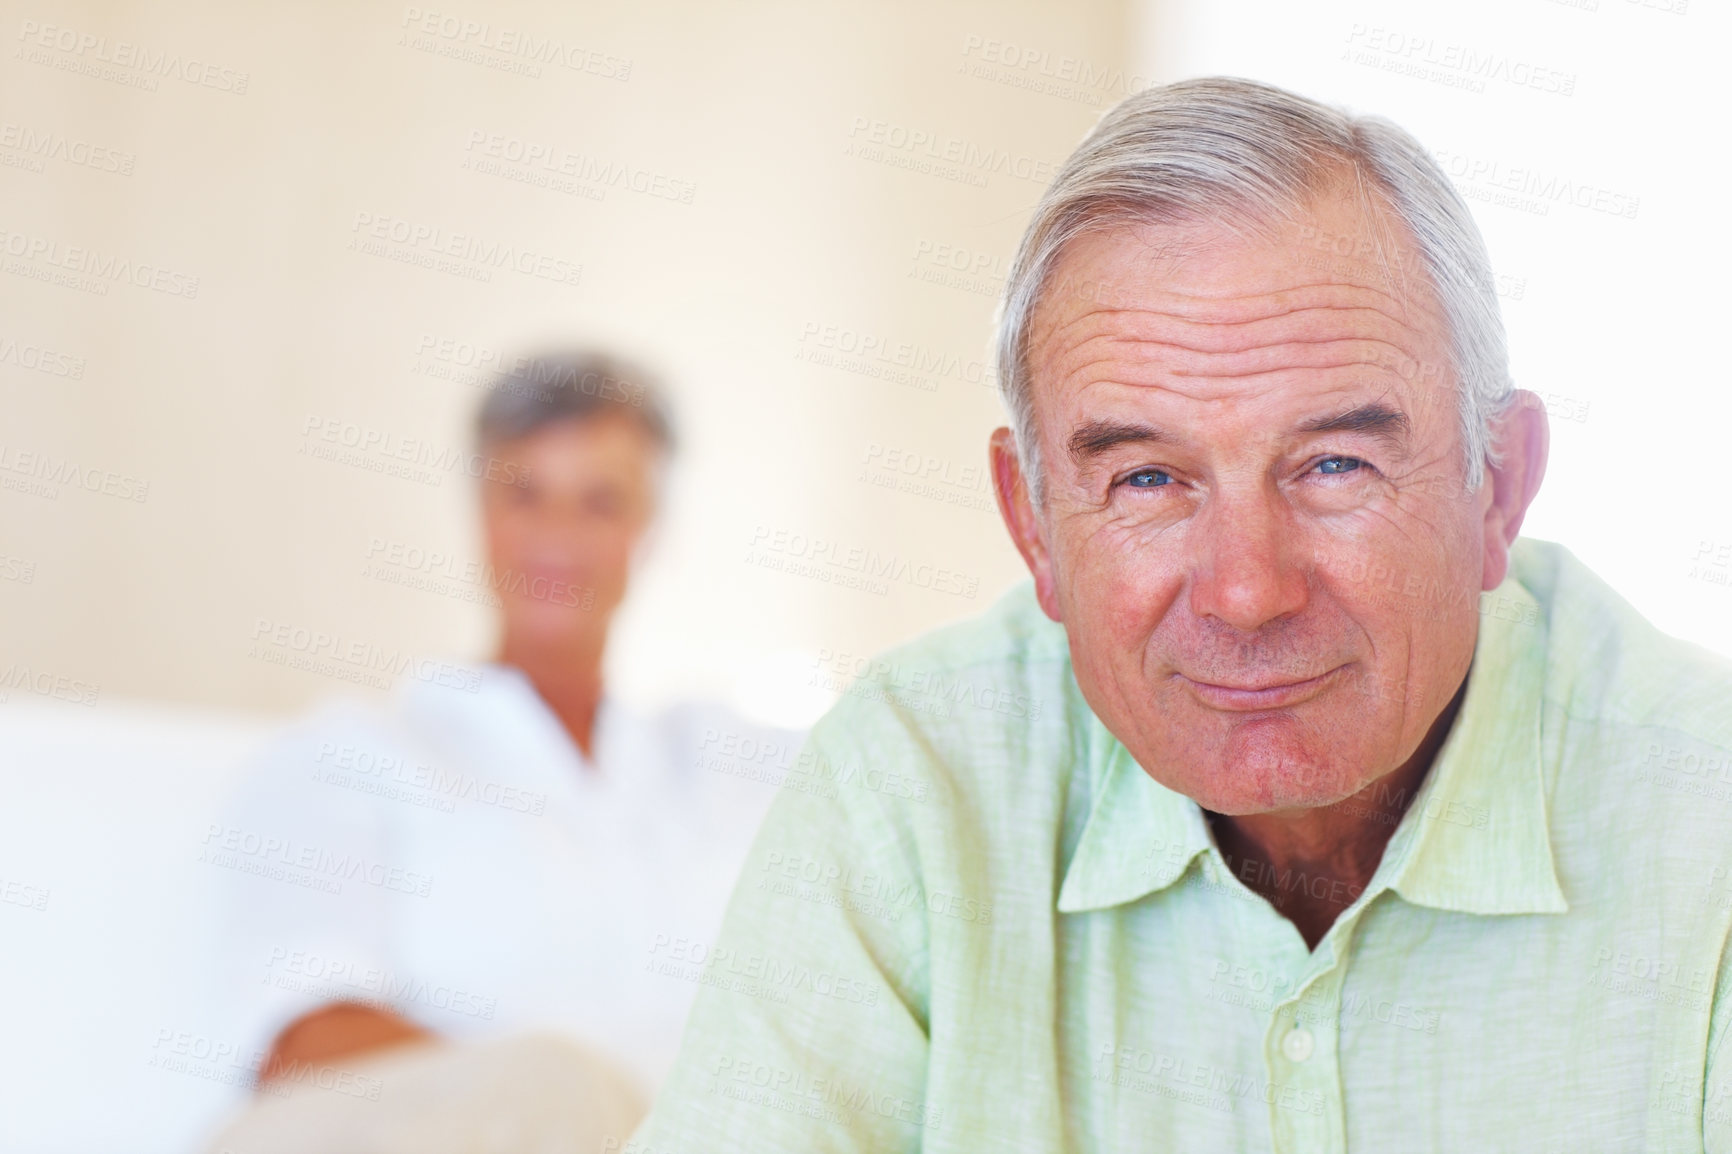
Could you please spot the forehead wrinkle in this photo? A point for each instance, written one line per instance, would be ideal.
(1221, 308)
(1247, 387)
(1282, 335)
(1236, 327)
(1295, 326)
(1308, 327)
(1139, 360)
(1324, 354)
(1227, 307)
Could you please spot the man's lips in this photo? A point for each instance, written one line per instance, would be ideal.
(1251, 695)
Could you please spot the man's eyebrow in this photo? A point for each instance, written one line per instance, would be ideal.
(1095, 437)
(1375, 418)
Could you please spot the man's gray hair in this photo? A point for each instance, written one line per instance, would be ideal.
(534, 392)
(1247, 154)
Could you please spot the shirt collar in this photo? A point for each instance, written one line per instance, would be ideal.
(492, 716)
(1140, 836)
(1475, 839)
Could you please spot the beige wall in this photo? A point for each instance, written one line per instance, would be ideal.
(767, 225)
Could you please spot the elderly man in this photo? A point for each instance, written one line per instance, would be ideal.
(1347, 821)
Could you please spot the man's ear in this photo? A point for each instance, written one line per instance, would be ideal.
(1017, 509)
(1521, 437)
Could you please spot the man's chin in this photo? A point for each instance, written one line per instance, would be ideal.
(1269, 776)
(1268, 798)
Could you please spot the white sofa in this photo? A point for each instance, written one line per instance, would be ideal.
(111, 1038)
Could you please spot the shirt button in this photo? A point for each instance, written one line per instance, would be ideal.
(1298, 1044)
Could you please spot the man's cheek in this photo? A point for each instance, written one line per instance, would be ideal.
(1128, 599)
(1111, 671)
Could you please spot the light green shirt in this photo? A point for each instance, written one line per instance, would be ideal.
(971, 922)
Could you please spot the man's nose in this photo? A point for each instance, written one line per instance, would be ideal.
(1246, 568)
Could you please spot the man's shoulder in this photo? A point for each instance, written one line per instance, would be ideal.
(1606, 663)
(977, 723)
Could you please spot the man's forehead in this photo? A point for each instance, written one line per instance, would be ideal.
(1219, 270)
(1307, 303)
(1252, 414)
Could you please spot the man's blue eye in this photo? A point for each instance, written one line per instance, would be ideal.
(1334, 465)
(1147, 479)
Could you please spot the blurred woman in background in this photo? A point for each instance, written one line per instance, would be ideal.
(506, 857)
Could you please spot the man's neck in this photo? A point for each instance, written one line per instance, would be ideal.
(1312, 864)
(567, 678)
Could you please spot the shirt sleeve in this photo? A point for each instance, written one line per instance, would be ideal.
(295, 933)
(809, 1031)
